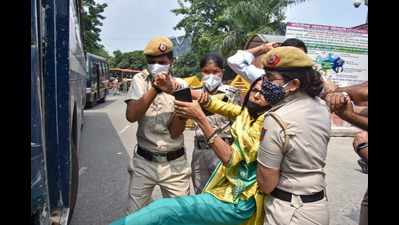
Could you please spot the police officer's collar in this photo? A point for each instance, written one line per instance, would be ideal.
(146, 75)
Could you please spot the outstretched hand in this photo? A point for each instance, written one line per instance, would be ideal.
(189, 110)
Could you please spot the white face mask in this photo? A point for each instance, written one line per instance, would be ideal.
(156, 68)
(211, 82)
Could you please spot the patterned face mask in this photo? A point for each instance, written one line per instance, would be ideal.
(272, 92)
(211, 82)
(156, 69)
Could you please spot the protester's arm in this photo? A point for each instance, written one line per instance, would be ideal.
(241, 64)
(193, 110)
(220, 107)
(214, 105)
(361, 110)
(358, 92)
(221, 148)
(346, 113)
(360, 138)
(267, 178)
(176, 126)
(364, 153)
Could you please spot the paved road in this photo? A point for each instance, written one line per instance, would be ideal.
(107, 143)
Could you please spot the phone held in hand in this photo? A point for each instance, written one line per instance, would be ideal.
(183, 95)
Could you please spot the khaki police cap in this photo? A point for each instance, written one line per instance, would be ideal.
(158, 46)
(288, 57)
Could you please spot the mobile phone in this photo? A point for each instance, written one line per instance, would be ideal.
(183, 94)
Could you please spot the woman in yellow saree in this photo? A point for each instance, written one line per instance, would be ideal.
(232, 195)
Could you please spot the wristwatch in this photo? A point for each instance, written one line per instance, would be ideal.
(361, 146)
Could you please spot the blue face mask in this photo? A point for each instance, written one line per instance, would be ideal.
(272, 92)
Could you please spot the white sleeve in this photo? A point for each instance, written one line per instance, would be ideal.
(136, 90)
(241, 64)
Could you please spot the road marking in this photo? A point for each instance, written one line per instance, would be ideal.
(124, 129)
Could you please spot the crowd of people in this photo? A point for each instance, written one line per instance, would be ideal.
(117, 85)
(256, 160)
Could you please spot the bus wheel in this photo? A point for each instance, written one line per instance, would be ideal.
(102, 100)
(91, 104)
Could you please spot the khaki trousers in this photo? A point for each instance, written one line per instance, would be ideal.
(172, 178)
(279, 212)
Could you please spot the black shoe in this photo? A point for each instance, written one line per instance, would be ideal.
(363, 165)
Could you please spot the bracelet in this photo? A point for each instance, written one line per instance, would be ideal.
(361, 146)
(211, 138)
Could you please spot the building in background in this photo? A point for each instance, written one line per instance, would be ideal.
(181, 45)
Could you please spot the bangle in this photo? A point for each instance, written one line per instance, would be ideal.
(361, 146)
(211, 138)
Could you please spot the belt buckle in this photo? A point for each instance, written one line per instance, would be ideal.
(160, 158)
(296, 201)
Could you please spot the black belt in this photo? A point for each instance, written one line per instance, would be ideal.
(286, 196)
(160, 157)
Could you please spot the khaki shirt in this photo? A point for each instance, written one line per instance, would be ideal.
(301, 164)
(152, 132)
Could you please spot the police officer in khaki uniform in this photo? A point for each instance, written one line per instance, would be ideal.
(160, 157)
(293, 150)
(204, 159)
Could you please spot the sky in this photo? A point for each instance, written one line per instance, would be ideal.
(130, 24)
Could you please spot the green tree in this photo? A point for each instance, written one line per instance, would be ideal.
(117, 57)
(185, 65)
(103, 53)
(225, 25)
(91, 21)
(133, 60)
(137, 60)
